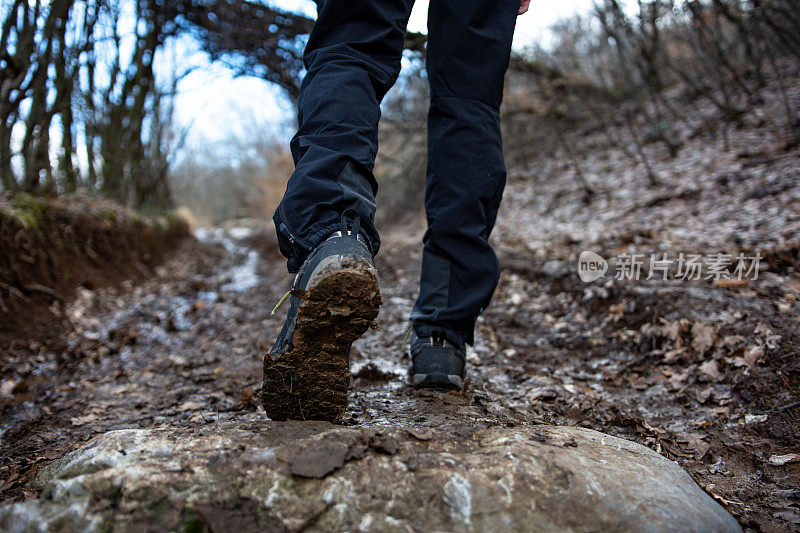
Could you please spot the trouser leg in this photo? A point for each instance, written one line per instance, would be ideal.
(469, 42)
(352, 58)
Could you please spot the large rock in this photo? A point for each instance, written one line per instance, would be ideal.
(294, 476)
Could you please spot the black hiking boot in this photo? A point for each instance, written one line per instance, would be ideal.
(436, 364)
(334, 299)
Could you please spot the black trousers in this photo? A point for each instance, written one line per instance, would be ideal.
(352, 59)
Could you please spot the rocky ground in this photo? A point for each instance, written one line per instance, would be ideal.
(705, 372)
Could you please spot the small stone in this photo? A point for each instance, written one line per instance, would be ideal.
(755, 419)
(339, 310)
(780, 460)
(317, 460)
(421, 433)
(378, 441)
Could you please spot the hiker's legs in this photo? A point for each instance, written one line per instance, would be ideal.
(352, 58)
(469, 42)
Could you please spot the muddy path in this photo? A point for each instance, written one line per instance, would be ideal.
(185, 348)
(704, 373)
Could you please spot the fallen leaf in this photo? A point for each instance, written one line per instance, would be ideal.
(671, 356)
(732, 341)
(680, 377)
(638, 382)
(673, 330)
(763, 329)
(693, 442)
(8, 386)
(730, 283)
(711, 369)
(752, 355)
(703, 395)
(616, 311)
(83, 420)
(247, 395)
(421, 433)
(703, 337)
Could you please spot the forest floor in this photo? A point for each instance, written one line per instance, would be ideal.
(704, 372)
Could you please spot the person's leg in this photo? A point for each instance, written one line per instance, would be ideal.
(469, 42)
(352, 58)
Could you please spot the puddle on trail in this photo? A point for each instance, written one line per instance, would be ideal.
(243, 275)
(153, 316)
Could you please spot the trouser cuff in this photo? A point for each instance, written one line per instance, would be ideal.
(459, 338)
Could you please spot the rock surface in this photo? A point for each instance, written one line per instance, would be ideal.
(293, 476)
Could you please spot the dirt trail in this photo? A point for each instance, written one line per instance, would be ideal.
(186, 347)
(703, 373)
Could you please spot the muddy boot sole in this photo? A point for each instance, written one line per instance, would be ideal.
(310, 380)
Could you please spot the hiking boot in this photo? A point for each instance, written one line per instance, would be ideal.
(436, 364)
(334, 299)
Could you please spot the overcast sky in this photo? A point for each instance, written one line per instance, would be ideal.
(218, 105)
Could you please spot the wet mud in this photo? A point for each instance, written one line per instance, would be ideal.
(703, 371)
(185, 348)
